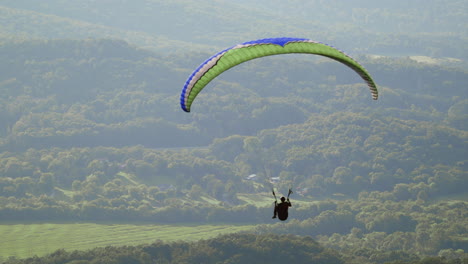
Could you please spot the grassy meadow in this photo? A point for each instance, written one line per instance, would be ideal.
(27, 240)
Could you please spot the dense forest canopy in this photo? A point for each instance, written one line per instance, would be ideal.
(91, 128)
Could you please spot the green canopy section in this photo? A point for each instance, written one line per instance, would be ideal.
(228, 58)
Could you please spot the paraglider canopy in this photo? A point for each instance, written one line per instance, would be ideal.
(230, 57)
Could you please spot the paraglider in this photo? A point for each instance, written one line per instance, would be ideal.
(230, 57)
(281, 209)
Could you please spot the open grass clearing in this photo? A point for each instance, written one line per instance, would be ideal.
(27, 240)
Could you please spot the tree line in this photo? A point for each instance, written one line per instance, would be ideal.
(233, 249)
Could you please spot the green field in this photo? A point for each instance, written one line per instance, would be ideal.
(26, 240)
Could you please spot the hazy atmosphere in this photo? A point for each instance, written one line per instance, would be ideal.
(99, 162)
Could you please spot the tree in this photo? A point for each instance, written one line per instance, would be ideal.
(195, 191)
(227, 148)
(46, 183)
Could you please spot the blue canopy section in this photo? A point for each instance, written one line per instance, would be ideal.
(276, 41)
(199, 68)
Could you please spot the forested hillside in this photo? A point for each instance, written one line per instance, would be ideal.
(91, 129)
(112, 146)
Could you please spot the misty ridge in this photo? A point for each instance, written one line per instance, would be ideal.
(91, 128)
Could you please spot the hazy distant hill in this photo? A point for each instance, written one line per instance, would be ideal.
(390, 16)
(24, 24)
(361, 26)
